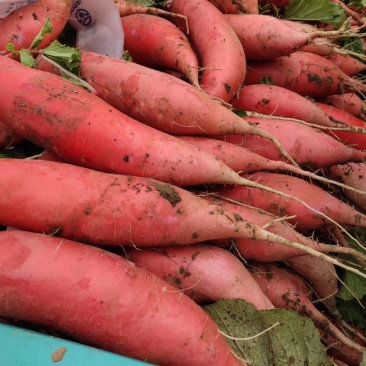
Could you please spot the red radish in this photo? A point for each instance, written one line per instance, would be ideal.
(354, 175)
(23, 25)
(85, 130)
(305, 73)
(321, 276)
(265, 37)
(289, 291)
(156, 42)
(320, 46)
(219, 49)
(7, 137)
(244, 161)
(356, 140)
(277, 101)
(112, 209)
(237, 6)
(348, 64)
(126, 7)
(307, 145)
(348, 102)
(205, 273)
(314, 196)
(266, 251)
(104, 300)
(176, 106)
(339, 350)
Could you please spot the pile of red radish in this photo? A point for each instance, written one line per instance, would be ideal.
(227, 160)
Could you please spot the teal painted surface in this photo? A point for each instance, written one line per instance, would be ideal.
(22, 347)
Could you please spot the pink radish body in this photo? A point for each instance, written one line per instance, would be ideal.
(266, 251)
(354, 175)
(305, 73)
(85, 130)
(356, 140)
(104, 300)
(205, 273)
(265, 37)
(308, 146)
(175, 104)
(237, 6)
(348, 64)
(156, 42)
(313, 195)
(218, 47)
(321, 276)
(348, 102)
(112, 209)
(289, 291)
(277, 101)
(23, 25)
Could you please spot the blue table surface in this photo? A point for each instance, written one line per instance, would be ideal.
(23, 347)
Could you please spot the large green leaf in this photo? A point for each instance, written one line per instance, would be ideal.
(293, 340)
(323, 11)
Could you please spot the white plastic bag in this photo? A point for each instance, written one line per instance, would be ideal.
(98, 25)
(97, 22)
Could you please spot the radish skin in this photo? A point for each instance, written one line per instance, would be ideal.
(85, 130)
(113, 209)
(218, 47)
(265, 251)
(237, 6)
(205, 273)
(356, 140)
(308, 146)
(348, 102)
(23, 25)
(321, 276)
(354, 175)
(274, 100)
(156, 42)
(265, 37)
(177, 107)
(103, 300)
(305, 73)
(306, 219)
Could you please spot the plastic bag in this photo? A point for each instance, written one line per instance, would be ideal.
(97, 23)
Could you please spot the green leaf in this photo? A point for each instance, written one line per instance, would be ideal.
(11, 48)
(47, 28)
(357, 4)
(240, 112)
(68, 57)
(323, 11)
(353, 44)
(294, 341)
(267, 80)
(26, 58)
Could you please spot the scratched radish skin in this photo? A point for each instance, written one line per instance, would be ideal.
(103, 300)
